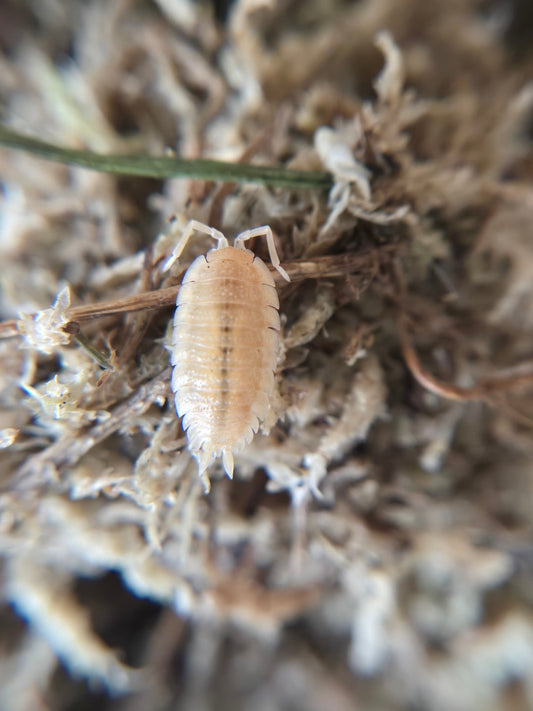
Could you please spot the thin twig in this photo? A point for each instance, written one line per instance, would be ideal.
(425, 379)
(137, 324)
(484, 390)
(299, 269)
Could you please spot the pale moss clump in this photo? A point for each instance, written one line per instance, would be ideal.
(373, 547)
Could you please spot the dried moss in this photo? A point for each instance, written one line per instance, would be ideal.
(374, 549)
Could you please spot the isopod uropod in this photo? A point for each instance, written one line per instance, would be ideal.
(225, 344)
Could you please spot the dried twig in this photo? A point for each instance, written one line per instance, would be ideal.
(299, 270)
(138, 323)
(484, 390)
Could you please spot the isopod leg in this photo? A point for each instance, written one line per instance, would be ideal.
(263, 231)
(204, 459)
(190, 227)
(227, 461)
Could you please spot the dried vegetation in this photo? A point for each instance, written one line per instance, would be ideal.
(375, 548)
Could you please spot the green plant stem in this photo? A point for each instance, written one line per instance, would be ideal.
(167, 166)
(93, 352)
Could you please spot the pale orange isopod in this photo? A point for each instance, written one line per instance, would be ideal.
(225, 344)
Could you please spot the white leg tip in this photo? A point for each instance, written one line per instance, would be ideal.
(204, 458)
(206, 482)
(227, 461)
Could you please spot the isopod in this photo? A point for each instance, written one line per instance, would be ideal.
(225, 344)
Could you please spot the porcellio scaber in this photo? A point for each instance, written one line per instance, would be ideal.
(225, 344)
